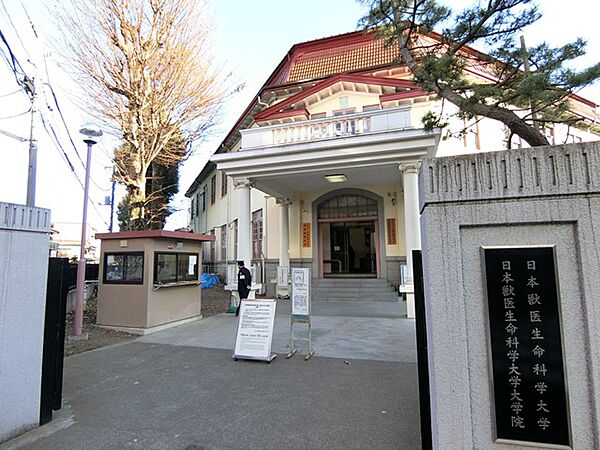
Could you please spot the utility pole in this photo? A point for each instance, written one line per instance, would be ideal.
(525, 54)
(112, 202)
(29, 85)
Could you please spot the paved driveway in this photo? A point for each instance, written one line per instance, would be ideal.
(180, 389)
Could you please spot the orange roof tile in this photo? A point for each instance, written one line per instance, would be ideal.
(359, 53)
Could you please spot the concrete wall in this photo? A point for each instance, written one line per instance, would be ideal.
(24, 247)
(541, 196)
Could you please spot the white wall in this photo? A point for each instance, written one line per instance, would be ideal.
(24, 243)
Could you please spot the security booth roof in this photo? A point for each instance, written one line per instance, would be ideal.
(179, 235)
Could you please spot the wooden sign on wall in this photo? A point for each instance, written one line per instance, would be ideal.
(391, 232)
(306, 235)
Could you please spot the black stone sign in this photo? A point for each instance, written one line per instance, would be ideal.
(530, 397)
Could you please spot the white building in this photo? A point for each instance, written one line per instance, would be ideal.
(321, 169)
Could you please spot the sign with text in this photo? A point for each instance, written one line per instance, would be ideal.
(300, 292)
(282, 276)
(529, 391)
(255, 330)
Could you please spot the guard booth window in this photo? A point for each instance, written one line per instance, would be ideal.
(124, 268)
(175, 267)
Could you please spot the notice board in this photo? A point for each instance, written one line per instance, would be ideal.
(301, 293)
(255, 330)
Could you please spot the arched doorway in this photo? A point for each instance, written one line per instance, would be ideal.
(348, 234)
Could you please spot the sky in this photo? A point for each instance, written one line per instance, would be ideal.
(251, 38)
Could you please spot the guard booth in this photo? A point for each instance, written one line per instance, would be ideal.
(149, 280)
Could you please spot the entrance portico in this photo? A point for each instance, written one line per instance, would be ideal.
(382, 159)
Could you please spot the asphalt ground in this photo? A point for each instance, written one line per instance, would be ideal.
(175, 390)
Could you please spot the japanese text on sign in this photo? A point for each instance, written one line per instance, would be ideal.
(528, 371)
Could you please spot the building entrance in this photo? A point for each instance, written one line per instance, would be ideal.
(352, 249)
(348, 237)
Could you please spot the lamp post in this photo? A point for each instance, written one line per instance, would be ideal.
(92, 133)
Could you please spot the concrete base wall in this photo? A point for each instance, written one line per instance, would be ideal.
(24, 249)
(542, 196)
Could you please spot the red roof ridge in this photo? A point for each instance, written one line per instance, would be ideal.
(367, 79)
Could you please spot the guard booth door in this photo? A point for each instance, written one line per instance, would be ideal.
(54, 337)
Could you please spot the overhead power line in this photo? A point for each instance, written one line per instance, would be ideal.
(14, 136)
(16, 115)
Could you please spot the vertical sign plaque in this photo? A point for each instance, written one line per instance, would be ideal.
(529, 385)
(301, 292)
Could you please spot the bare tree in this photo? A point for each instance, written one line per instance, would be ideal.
(147, 70)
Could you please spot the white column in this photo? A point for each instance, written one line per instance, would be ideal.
(283, 269)
(244, 243)
(412, 230)
(284, 232)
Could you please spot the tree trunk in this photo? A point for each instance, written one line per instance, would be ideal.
(137, 209)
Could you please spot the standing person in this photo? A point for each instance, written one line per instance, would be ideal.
(244, 283)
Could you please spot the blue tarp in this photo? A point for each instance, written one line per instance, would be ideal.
(209, 280)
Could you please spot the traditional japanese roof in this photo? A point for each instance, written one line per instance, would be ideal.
(308, 66)
(334, 55)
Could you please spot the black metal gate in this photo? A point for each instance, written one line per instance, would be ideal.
(54, 337)
(422, 362)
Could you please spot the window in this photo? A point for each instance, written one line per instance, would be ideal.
(471, 133)
(193, 209)
(175, 267)
(320, 115)
(212, 257)
(202, 202)
(371, 107)
(223, 184)
(257, 232)
(124, 268)
(213, 189)
(224, 243)
(347, 205)
(347, 126)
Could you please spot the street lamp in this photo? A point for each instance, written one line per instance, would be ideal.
(92, 133)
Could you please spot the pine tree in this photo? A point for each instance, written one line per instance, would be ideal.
(522, 96)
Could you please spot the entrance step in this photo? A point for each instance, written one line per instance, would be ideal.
(353, 289)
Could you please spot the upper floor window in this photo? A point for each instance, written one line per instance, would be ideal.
(320, 115)
(193, 209)
(471, 133)
(223, 184)
(371, 107)
(343, 112)
(213, 189)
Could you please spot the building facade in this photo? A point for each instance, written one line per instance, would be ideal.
(321, 169)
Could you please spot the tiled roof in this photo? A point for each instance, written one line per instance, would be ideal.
(363, 53)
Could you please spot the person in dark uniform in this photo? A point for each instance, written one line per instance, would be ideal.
(244, 283)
